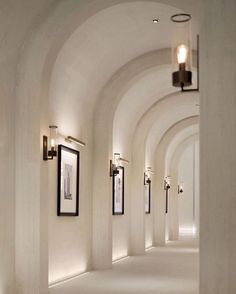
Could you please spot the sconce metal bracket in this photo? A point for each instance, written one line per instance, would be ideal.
(196, 89)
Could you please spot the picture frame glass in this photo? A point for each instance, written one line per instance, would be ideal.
(68, 181)
(118, 192)
(147, 198)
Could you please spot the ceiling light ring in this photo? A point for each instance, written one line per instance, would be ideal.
(186, 17)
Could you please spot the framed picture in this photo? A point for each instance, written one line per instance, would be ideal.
(68, 181)
(118, 192)
(147, 197)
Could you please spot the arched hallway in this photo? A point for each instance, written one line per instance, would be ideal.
(164, 270)
(102, 157)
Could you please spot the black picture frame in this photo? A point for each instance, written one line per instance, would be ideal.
(118, 189)
(68, 181)
(147, 197)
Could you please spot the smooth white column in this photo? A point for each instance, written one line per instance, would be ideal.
(137, 209)
(218, 147)
(173, 206)
(159, 208)
(102, 199)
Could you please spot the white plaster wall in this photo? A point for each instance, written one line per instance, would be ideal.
(149, 238)
(70, 238)
(188, 201)
(197, 188)
(149, 219)
(15, 23)
(186, 215)
(121, 223)
(217, 147)
(7, 178)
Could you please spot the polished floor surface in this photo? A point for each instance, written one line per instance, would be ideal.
(172, 269)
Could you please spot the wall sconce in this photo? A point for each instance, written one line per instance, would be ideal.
(147, 176)
(147, 179)
(49, 150)
(166, 188)
(181, 53)
(115, 164)
(166, 184)
(180, 189)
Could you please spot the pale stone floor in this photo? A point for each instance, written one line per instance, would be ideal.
(163, 270)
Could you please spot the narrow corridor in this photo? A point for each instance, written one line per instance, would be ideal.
(171, 269)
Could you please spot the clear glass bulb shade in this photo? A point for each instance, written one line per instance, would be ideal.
(117, 159)
(181, 46)
(53, 137)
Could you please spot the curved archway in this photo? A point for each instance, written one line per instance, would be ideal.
(160, 167)
(34, 95)
(173, 228)
(153, 232)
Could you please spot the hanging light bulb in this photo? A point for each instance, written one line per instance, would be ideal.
(182, 54)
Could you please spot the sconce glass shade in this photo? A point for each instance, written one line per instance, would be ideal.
(180, 188)
(182, 53)
(117, 160)
(167, 183)
(147, 178)
(53, 138)
(50, 146)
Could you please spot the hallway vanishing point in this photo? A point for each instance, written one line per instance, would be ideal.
(163, 270)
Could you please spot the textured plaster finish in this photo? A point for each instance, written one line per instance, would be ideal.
(217, 148)
(7, 187)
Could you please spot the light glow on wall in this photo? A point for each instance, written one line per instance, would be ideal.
(149, 248)
(68, 279)
(120, 259)
(60, 274)
(119, 253)
(187, 231)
